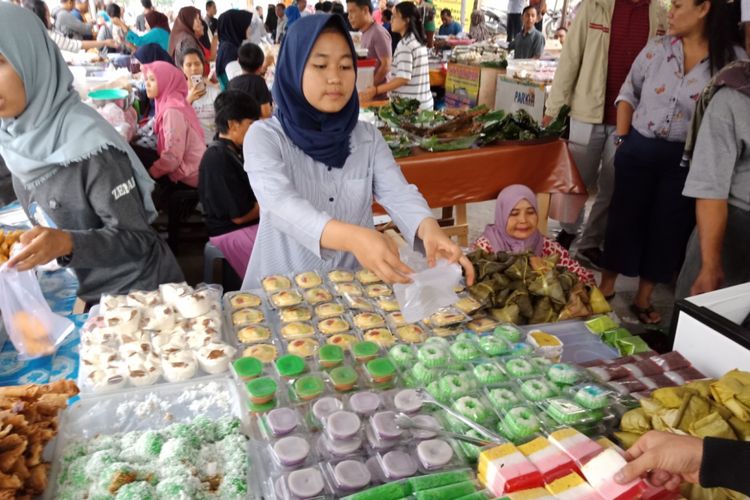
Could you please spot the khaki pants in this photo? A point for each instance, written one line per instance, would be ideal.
(593, 150)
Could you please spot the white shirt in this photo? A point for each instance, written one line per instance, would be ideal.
(299, 196)
(204, 108)
(410, 61)
(256, 31)
(745, 11)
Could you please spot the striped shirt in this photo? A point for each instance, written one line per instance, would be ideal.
(299, 196)
(410, 62)
(65, 43)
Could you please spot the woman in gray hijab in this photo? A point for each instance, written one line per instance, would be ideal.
(79, 182)
(478, 30)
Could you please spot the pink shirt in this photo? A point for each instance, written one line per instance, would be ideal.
(377, 41)
(180, 150)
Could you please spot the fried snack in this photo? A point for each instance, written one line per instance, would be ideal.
(36, 339)
(7, 240)
(28, 421)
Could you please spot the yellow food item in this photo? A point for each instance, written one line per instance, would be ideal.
(7, 240)
(34, 334)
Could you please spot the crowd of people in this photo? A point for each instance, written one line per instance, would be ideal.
(287, 174)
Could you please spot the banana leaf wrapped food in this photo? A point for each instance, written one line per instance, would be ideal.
(544, 264)
(543, 312)
(521, 298)
(567, 280)
(524, 279)
(520, 268)
(508, 314)
(486, 267)
(547, 285)
(576, 306)
(598, 303)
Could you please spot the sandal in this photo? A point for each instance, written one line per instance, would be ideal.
(644, 314)
(609, 297)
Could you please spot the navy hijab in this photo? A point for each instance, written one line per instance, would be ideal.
(233, 25)
(146, 54)
(316, 133)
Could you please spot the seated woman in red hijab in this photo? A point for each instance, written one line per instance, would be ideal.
(516, 230)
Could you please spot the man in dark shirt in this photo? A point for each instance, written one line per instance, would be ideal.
(529, 43)
(210, 19)
(251, 59)
(140, 21)
(231, 210)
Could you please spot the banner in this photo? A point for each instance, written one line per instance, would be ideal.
(462, 85)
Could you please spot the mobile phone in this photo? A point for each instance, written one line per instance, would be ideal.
(197, 81)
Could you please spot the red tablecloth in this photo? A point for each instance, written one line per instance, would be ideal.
(473, 175)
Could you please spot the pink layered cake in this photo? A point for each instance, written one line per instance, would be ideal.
(551, 461)
(577, 446)
(572, 487)
(600, 472)
(504, 469)
(651, 492)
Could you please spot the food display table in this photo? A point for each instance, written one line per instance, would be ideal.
(59, 288)
(455, 178)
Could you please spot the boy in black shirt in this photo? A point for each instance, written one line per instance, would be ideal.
(251, 59)
(229, 204)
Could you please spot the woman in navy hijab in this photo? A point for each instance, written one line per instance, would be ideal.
(316, 170)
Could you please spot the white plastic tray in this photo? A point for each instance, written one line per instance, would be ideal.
(167, 404)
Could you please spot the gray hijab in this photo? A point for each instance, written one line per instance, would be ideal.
(56, 129)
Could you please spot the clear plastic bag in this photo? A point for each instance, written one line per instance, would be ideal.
(31, 325)
(430, 289)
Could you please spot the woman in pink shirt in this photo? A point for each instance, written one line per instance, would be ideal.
(180, 141)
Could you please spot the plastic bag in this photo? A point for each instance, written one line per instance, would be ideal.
(430, 289)
(31, 325)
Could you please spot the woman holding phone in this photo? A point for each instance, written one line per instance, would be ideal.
(201, 94)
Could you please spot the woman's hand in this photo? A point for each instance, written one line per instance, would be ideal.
(667, 459)
(196, 93)
(368, 94)
(378, 253)
(438, 245)
(41, 245)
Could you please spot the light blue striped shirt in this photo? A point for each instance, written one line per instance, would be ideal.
(299, 196)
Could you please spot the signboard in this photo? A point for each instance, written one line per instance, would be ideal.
(462, 85)
(513, 95)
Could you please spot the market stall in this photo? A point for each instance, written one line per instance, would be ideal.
(455, 178)
(316, 386)
(326, 384)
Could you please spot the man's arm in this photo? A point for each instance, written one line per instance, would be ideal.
(711, 216)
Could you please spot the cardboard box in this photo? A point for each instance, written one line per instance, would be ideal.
(512, 95)
(470, 85)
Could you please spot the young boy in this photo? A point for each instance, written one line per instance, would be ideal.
(229, 204)
(251, 59)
